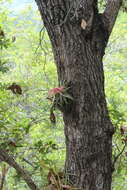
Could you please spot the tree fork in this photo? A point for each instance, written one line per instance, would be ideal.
(79, 35)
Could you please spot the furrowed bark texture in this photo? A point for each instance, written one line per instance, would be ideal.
(79, 35)
(4, 156)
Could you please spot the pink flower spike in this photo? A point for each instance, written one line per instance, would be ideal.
(54, 91)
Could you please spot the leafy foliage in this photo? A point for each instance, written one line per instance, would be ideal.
(25, 128)
(115, 74)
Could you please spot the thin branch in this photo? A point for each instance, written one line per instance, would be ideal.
(27, 161)
(2, 182)
(120, 153)
(110, 13)
(4, 172)
(4, 156)
(41, 36)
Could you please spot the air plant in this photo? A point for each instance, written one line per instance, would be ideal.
(59, 98)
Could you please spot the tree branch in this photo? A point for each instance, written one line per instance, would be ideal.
(3, 176)
(4, 156)
(110, 13)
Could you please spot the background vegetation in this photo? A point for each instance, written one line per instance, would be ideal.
(25, 127)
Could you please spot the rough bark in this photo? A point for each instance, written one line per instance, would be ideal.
(78, 51)
(4, 156)
(111, 12)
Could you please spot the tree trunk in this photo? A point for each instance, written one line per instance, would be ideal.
(79, 35)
